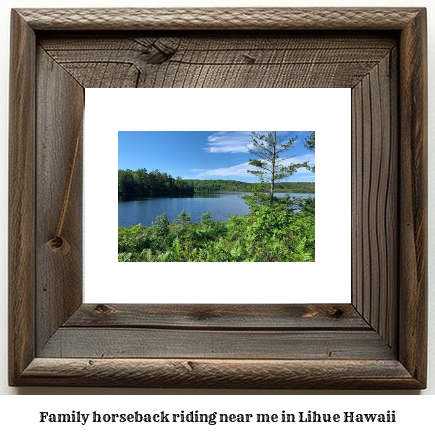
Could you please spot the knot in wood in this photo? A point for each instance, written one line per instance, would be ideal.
(103, 309)
(338, 313)
(58, 244)
(158, 52)
(249, 59)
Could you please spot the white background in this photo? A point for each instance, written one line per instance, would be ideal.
(17, 412)
(328, 280)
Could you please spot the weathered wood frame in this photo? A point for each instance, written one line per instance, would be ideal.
(377, 341)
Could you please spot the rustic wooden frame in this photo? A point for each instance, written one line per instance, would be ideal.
(377, 341)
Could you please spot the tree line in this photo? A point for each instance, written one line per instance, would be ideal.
(211, 185)
(143, 183)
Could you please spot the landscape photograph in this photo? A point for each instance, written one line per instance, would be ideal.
(216, 196)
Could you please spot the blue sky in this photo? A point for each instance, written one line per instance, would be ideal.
(202, 154)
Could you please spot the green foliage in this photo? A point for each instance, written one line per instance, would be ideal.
(272, 232)
(161, 226)
(310, 141)
(142, 183)
(124, 257)
(160, 232)
(270, 148)
(276, 232)
(216, 185)
(207, 219)
(310, 144)
(183, 219)
(257, 197)
(133, 240)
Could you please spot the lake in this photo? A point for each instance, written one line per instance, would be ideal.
(221, 205)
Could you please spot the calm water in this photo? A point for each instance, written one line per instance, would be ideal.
(220, 205)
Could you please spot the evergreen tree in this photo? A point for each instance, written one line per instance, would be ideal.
(310, 141)
(183, 219)
(269, 149)
(310, 144)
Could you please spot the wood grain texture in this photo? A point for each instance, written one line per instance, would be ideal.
(388, 299)
(220, 18)
(60, 105)
(240, 374)
(413, 187)
(379, 342)
(375, 198)
(236, 60)
(220, 317)
(21, 197)
(95, 342)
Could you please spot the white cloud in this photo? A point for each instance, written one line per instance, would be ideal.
(238, 142)
(216, 136)
(242, 169)
(301, 158)
(228, 142)
(238, 170)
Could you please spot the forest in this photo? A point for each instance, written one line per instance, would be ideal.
(226, 185)
(276, 229)
(141, 183)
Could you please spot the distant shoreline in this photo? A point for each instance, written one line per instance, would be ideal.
(146, 184)
(141, 196)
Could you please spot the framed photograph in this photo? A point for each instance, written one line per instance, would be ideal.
(58, 338)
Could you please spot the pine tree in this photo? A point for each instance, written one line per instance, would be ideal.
(269, 149)
(310, 144)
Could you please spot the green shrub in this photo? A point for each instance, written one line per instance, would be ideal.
(278, 231)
